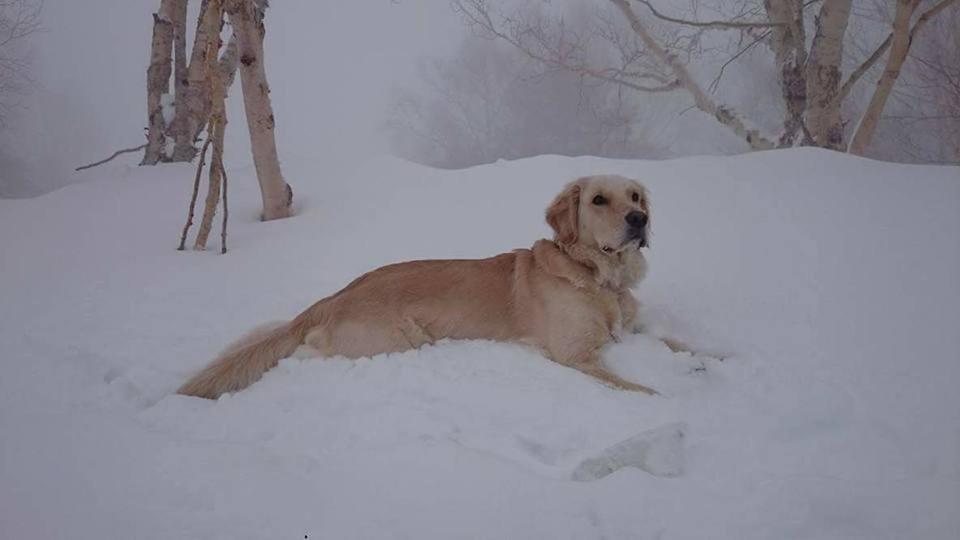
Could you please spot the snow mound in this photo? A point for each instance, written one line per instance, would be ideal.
(827, 284)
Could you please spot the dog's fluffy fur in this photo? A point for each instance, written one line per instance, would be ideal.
(567, 297)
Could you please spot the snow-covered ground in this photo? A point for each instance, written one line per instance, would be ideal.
(830, 285)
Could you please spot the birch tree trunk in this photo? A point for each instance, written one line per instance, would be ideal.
(248, 27)
(180, 66)
(823, 75)
(193, 108)
(158, 81)
(215, 131)
(789, 52)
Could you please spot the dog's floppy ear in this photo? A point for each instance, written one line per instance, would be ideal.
(563, 214)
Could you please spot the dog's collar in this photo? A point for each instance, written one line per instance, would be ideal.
(586, 267)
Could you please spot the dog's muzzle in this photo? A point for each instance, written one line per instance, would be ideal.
(636, 228)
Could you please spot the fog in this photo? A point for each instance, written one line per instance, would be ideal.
(332, 68)
(354, 79)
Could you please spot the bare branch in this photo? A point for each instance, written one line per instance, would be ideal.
(903, 38)
(559, 55)
(723, 114)
(716, 81)
(862, 69)
(18, 20)
(717, 25)
(565, 51)
(115, 154)
(226, 210)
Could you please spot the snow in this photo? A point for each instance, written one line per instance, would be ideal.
(168, 108)
(658, 451)
(827, 284)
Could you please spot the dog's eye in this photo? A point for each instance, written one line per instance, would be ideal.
(636, 196)
(599, 200)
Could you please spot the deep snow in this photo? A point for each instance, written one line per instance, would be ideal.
(828, 283)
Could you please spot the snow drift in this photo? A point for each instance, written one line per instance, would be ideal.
(827, 284)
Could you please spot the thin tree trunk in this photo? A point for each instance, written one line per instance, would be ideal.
(193, 197)
(248, 27)
(193, 108)
(723, 114)
(823, 75)
(226, 210)
(158, 82)
(180, 66)
(216, 129)
(900, 41)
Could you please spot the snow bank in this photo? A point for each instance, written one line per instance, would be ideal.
(827, 283)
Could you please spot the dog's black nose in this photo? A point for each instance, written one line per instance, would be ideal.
(636, 219)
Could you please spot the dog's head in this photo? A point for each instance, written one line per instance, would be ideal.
(607, 213)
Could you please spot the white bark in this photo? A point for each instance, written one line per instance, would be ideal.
(823, 75)
(789, 51)
(248, 27)
(193, 108)
(216, 129)
(158, 81)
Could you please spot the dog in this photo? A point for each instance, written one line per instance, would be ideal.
(568, 297)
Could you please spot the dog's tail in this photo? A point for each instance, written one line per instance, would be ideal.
(244, 361)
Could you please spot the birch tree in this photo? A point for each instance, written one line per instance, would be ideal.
(193, 104)
(808, 71)
(217, 120)
(246, 16)
(219, 75)
(158, 81)
(823, 75)
(193, 100)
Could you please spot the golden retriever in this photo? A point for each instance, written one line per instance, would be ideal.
(567, 297)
